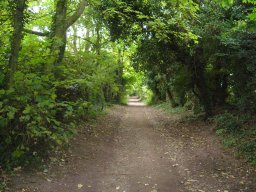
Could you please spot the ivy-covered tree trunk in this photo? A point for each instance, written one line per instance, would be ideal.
(75, 39)
(58, 36)
(98, 40)
(159, 96)
(18, 25)
(171, 97)
(119, 74)
(88, 44)
(203, 94)
(169, 91)
(220, 79)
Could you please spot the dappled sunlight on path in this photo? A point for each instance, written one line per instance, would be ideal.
(135, 101)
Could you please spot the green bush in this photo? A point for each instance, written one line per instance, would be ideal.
(227, 123)
(2, 180)
(33, 121)
(247, 144)
(238, 133)
(166, 106)
(2, 185)
(248, 149)
(229, 141)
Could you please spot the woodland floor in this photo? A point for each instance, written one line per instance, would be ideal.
(137, 148)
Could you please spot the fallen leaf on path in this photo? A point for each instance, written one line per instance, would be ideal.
(17, 168)
(79, 186)
(192, 180)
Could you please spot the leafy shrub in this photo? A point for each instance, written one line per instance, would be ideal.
(32, 120)
(166, 106)
(2, 185)
(2, 180)
(229, 141)
(248, 149)
(242, 138)
(227, 123)
(247, 144)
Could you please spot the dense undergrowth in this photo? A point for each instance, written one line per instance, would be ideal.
(168, 108)
(36, 121)
(238, 132)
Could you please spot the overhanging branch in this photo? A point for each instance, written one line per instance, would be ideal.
(80, 9)
(86, 39)
(38, 33)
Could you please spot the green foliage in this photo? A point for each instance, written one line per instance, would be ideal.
(230, 141)
(252, 15)
(247, 145)
(186, 47)
(244, 143)
(40, 110)
(32, 119)
(2, 186)
(226, 3)
(136, 83)
(227, 123)
(168, 108)
(238, 132)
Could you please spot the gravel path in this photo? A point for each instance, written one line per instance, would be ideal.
(140, 149)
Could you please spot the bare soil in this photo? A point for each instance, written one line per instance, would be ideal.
(137, 148)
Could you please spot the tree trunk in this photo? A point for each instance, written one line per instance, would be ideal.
(18, 25)
(119, 74)
(171, 98)
(159, 96)
(98, 40)
(198, 75)
(204, 97)
(88, 44)
(220, 79)
(58, 34)
(75, 39)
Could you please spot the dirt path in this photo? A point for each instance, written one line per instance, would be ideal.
(139, 149)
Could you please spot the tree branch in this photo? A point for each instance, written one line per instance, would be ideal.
(86, 39)
(80, 9)
(38, 33)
